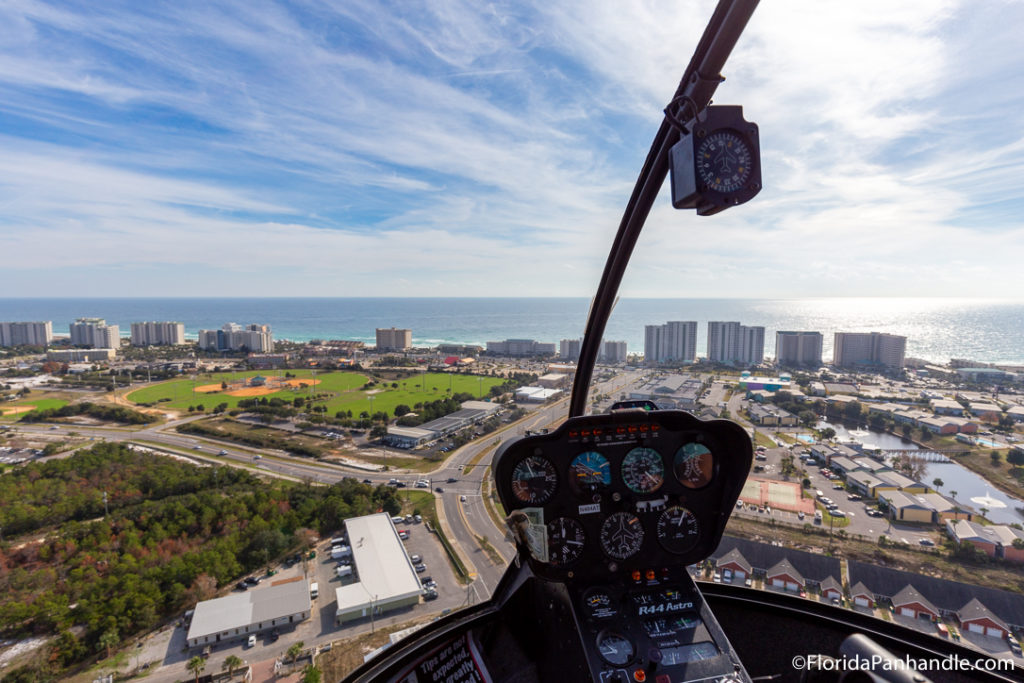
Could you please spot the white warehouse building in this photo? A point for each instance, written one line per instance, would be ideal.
(237, 615)
(387, 580)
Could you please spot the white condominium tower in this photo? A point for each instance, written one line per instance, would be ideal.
(676, 340)
(26, 334)
(856, 349)
(730, 342)
(95, 333)
(158, 333)
(798, 348)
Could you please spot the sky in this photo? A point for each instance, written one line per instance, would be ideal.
(448, 148)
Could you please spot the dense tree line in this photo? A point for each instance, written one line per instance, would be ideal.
(174, 534)
(98, 411)
(425, 412)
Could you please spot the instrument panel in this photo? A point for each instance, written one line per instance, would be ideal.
(624, 492)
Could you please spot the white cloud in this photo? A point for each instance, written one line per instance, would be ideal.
(472, 147)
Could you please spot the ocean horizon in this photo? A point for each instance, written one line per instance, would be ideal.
(937, 329)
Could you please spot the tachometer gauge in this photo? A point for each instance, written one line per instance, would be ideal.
(534, 480)
(678, 530)
(614, 648)
(694, 465)
(598, 604)
(565, 541)
(589, 473)
(622, 534)
(643, 470)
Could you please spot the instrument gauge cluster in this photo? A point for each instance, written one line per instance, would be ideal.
(631, 490)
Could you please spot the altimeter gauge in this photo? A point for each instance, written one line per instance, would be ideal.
(643, 470)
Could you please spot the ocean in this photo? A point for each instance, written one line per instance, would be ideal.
(936, 329)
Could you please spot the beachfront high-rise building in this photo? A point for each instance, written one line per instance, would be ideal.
(798, 348)
(158, 333)
(95, 333)
(26, 334)
(393, 339)
(613, 352)
(676, 340)
(520, 348)
(730, 342)
(569, 349)
(234, 337)
(858, 349)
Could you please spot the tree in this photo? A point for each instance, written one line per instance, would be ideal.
(1018, 543)
(311, 674)
(196, 666)
(294, 651)
(995, 457)
(828, 433)
(231, 663)
(109, 640)
(938, 483)
(910, 466)
(1015, 456)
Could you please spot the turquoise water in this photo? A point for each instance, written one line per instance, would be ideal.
(936, 329)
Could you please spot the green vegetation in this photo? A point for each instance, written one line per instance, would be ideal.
(335, 391)
(38, 404)
(98, 411)
(173, 535)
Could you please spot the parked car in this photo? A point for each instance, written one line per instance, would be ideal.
(451, 480)
(252, 640)
(420, 568)
(927, 542)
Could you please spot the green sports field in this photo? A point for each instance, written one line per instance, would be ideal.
(344, 390)
(15, 409)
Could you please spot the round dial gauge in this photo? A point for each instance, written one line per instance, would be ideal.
(589, 473)
(643, 470)
(622, 534)
(534, 480)
(724, 161)
(678, 530)
(598, 604)
(694, 465)
(565, 541)
(614, 648)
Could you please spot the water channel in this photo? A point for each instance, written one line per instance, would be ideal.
(955, 477)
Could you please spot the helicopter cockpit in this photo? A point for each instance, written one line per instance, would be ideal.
(610, 512)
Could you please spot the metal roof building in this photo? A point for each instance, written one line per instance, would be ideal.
(387, 579)
(239, 614)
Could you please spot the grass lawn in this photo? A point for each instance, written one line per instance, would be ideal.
(344, 390)
(36, 403)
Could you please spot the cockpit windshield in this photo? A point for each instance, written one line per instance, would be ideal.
(311, 361)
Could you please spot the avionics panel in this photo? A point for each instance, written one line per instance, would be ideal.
(607, 496)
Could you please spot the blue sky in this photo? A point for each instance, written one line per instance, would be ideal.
(469, 149)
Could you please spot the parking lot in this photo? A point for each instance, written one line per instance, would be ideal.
(855, 510)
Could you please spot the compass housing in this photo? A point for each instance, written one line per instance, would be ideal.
(718, 163)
